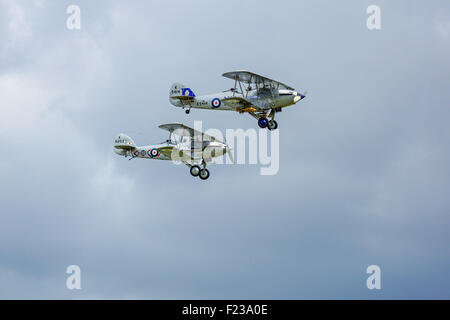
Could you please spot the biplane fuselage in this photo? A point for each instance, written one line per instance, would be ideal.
(218, 101)
(166, 151)
(259, 96)
(185, 144)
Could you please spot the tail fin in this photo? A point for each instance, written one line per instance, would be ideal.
(179, 94)
(123, 144)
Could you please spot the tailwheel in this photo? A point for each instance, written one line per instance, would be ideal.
(187, 111)
(272, 125)
(195, 170)
(204, 174)
(263, 122)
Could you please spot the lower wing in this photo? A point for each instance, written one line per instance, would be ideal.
(243, 105)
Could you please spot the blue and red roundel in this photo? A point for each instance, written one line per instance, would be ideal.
(215, 103)
(143, 153)
(154, 153)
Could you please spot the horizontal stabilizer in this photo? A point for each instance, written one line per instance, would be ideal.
(183, 98)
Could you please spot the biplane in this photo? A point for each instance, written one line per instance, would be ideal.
(192, 147)
(256, 95)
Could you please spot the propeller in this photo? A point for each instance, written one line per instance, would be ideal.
(228, 150)
(230, 154)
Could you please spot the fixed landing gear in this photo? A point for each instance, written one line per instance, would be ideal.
(203, 173)
(187, 111)
(195, 170)
(269, 124)
(272, 125)
(263, 119)
(263, 122)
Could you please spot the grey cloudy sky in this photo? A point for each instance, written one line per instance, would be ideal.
(363, 177)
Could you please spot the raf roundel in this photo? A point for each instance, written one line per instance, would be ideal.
(216, 103)
(153, 153)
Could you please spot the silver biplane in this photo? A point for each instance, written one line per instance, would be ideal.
(192, 147)
(259, 96)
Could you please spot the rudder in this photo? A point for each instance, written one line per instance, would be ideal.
(123, 144)
(180, 90)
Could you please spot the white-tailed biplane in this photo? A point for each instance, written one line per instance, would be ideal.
(259, 96)
(192, 147)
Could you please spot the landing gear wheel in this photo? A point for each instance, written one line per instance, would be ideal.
(262, 122)
(187, 111)
(195, 170)
(204, 174)
(272, 125)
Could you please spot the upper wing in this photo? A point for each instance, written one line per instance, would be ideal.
(253, 78)
(185, 131)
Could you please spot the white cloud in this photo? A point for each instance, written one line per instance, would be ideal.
(442, 26)
(18, 25)
(354, 166)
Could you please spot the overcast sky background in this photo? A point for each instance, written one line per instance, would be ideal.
(363, 177)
